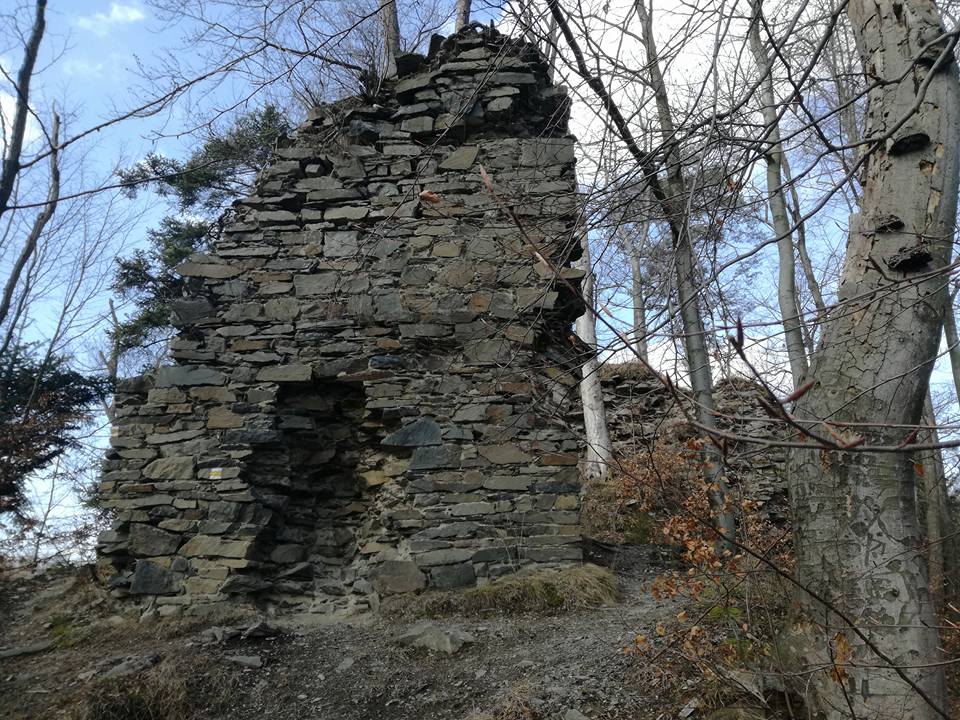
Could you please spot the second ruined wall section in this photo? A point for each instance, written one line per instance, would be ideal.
(374, 381)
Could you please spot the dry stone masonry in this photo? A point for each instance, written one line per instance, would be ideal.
(642, 413)
(373, 381)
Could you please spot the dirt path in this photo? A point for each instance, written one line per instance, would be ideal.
(558, 665)
(561, 663)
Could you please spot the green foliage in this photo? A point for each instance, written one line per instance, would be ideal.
(730, 613)
(222, 169)
(42, 405)
(148, 279)
(219, 171)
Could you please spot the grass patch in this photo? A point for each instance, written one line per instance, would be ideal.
(63, 632)
(632, 370)
(607, 518)
(537, 591)
(544, 590)
(169, 691)
(516, 704)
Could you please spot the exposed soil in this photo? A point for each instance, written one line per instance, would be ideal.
(322, 670)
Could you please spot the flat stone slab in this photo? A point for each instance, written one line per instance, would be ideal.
(431, 636)
(418, 433)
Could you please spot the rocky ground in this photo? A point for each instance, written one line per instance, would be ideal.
(67, 651)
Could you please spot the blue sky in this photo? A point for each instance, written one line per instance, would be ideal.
(92, 47)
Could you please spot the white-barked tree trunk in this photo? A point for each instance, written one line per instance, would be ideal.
(857, 535)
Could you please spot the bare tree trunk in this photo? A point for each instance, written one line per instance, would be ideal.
(813, 285)
(462, 15)
(599, 447)
(11, 161)
(639, 302)
(953, 342)
(391, 35)
(786, 285)
(695, 336)
(951, 542)
(30, 246)
(551, 50)
(930, 469)
(857, 533)
(111, 362)
(698, 359)
(13, 326)
(638, 290)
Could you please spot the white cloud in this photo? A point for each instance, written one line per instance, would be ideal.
(8, 108)
(81, 68)
(120, 14)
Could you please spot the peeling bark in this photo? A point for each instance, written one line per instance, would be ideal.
(857, 533)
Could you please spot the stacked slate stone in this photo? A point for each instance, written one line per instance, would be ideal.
(373, 375)
(641, 412)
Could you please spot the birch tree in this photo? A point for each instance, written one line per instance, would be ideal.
(599, 452)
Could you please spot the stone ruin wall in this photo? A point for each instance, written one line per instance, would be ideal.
(371, 391)
(642, 413)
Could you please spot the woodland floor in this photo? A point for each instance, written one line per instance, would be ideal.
(563, 666)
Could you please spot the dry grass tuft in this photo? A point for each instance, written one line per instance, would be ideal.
(545, 590)
(166, 692)
(535, 591)
(514, 705)
(540, 591)
(630, 370)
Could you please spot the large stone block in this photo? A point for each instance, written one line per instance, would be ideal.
(431, 458)
(210, 546)
(505, 454)
(185, 375)
(170, 468)
(152, 579)
(148, 541)
(453, 576)
(286, 373)
(398, 576)
(461, 158)
(423, 431)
